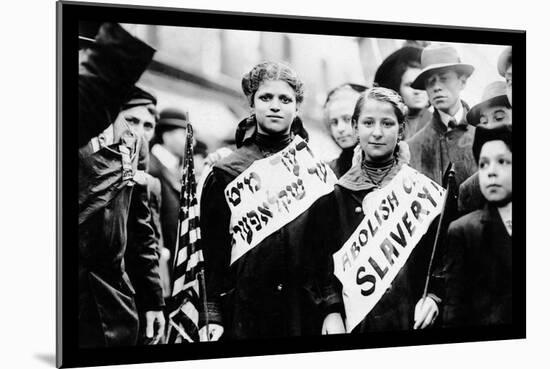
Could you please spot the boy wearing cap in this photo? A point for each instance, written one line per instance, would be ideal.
(447, 137)
(493, 111)
(479, 254)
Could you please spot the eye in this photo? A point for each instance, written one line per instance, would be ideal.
(483, 121)
(347, 119)
(388, 123)
(132, 120)
(286, 99)
(333, 122)
(499, 116)
(367, 122)
(482, 164)
(265, 97)
(504, 161)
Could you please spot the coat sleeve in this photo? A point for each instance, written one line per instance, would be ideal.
(322, 236)
(215, 219)
(455, 307)
(107, 72)
(142, 255)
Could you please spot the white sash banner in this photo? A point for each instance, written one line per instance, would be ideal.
(274, 191)
(396, 218)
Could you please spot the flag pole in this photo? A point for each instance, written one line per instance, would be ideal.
(449, 173)
(202, 279)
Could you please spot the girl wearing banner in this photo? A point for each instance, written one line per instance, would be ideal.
(267, 290)
(379, 120)
(479, 258)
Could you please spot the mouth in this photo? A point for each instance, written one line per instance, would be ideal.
(493, 186)
(274, 116)
(377, 144)
(439, 98)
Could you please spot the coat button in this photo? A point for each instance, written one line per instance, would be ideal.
(358, 209)
(280, 287)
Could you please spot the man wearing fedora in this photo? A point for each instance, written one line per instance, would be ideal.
(167, 155)
(493, 111)
(447, 137)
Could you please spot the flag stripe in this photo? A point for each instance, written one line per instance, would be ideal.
(185, 303)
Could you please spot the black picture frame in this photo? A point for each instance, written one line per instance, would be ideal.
(69, 14)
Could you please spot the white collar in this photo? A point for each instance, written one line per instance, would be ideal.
(165, 157)
(445, 118)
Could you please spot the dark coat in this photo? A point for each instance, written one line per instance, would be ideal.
(433, 147)
(342, 163)
(416, 122)
(338, 215)
(108, 202)
(470, 197)
(170, 184)
(269, 291)
(478, 270)
(107, 309)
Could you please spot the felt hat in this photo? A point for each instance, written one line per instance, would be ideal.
(504, 60)
(437, 58)
(494, 94)
(482, 135)
(173, 117)
(385, 74)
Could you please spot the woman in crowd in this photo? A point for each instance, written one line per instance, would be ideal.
(479, 263)
(379, 121)
(338, 111)
(397, 72)
(268, 291)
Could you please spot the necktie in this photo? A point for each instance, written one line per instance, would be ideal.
(452, 123)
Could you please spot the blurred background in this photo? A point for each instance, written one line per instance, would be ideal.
(200, 70)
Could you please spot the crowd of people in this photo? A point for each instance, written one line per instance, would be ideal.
(281, 230)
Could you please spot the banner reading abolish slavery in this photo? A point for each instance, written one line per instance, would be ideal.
(396, 218)
(274, 191)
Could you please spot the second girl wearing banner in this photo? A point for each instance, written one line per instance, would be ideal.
(378, 120)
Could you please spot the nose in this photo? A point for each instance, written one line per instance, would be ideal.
(341, 125)
(377, 131)
(491, 169)
(275, 105)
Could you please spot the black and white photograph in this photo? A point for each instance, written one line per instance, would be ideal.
(247, 186)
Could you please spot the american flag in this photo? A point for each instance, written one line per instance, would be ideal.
(186, 301)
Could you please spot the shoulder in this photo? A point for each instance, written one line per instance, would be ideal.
(468, 222)
(238, 161)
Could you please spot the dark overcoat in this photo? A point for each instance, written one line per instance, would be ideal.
(270, 291)
(433, 147)
(338, 215)
(478, 270)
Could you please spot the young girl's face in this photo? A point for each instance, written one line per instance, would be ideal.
(495, 171)
(275, 107)
(340, 111)
(378, 130)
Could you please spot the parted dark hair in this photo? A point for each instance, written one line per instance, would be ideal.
(271, 71)
(384, 95)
